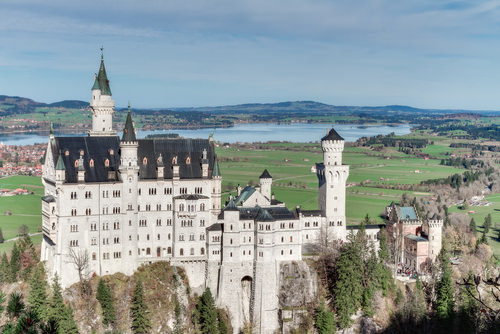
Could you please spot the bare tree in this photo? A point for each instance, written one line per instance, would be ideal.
(80, 259)
(491, 306)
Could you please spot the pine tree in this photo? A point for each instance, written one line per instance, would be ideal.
(67, 324)
(28, 322)
(15, 305)
(487, 223)
(223, 329)
(469, 308)
(4, 269)
(57, 309)
(139, 310)
(444, 302)
(106, 299)
(37, 296)
(472, 226)
(207, 313)
(14, 263)
(325, 320)
(348, 289)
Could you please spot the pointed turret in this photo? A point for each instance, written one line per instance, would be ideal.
(60, 163)
(129, 130)
(101, 104)
(101, 81)
(216, 171)
(60, 169)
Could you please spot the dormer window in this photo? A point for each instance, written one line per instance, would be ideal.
(66, 153)
(145, 161)
(106, 163)
(91, 163)
(174, 160)
(76, 163)
(188, 161)
(81, 152)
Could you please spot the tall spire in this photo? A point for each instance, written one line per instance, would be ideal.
(129, 130)
(101, 81)
(216, 171)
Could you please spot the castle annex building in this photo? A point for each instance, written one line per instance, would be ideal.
(125, 202)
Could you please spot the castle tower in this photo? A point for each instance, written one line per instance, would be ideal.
(129, 174)
(332, 176)
(266, 181)
(101, 105)
(435, 228)
(217, 186)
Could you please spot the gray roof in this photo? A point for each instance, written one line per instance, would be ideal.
(128, 130)
(265, 175)
(332, 135)
(407, 213)
(48, 198)
(215, 227)
(263, 214)
(191, 197)
(415, 238)
(99, 148)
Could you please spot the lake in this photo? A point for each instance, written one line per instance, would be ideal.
(260, 132)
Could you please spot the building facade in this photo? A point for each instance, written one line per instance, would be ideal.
(124, 202)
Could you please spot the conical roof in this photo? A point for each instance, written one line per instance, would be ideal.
(332, 135)
(216, 171)
(60, 163)
(101, 81)
(128, 130)
(265, 175)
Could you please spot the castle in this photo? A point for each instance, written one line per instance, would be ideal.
(124, 202)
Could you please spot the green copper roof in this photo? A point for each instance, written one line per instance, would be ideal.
(102, 81)
(96, 84)
(60, 163)
(129, 131)
(231, 206)
(216, 171)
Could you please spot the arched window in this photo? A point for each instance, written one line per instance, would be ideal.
(148, 251)
(169, 250)
(174, 160)
(158, 251)
(66, 153)
(145, 161)
(191, 251)
(106, 163)
(202, 207)
(181, 252)
(91, 163)
(181, 207)
(202, 251)
(76, 163)
(188, 161)
(81, 152)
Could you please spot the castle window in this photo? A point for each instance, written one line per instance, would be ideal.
(129, 238)
(181, 237)
(66, 153)
(111, 152)
(339, 223)
(243, 252)
(169, 250)
(147, 237)
(73, 243)
(291, 239)
(145, 161)
(231, 254)
(81, 152)
(158, 251)
(158, 222)
(158, 237)
(73, 212)
(290, 252)
(231, 227)
(91, 163)
(94, 256)
(168, 236)
(282, 239)
(76, 163)
(202, 222)
(191, 237)
(202, 251)
(74, 228)
(129, 253)
(181, 207)
(169, 222)
(281, 252)
(181, 252)
(191, 251)
(202, 236)
(148, 251)
(202, 207)
(188, 161)
(230, 241)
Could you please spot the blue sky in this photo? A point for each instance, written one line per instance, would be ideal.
(165, 53)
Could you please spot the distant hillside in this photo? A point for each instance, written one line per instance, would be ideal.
(72, 104)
